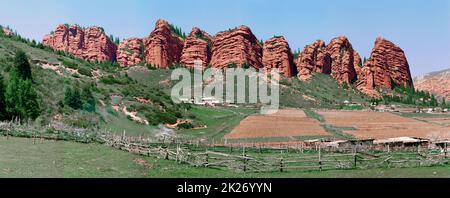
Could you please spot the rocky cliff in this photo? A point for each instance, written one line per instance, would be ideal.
(386, 68)
(163, 47)
(130, 52)
(196, 47)
(437, 83)
(278, 55)
(343, 60)
(90, 44)
(313, 59)
(236, 47)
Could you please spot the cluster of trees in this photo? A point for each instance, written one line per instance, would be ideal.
(18, 99)
(178, 31)
(114, 39)
(79, 99)
(408, 95)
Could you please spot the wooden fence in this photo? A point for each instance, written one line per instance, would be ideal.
(242, 157)
(270, 160)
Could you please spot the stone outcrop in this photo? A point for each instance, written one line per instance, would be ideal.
(386, 68)
(197, 47)
(163, 48)
(343, 60)
(238, 47)
(437, 83)
(7, 31)
(130, 52)
(90, 44)
(313, 59)
(277, 55)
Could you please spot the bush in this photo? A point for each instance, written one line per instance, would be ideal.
(110, 80)
(85, 71)
(185, 126)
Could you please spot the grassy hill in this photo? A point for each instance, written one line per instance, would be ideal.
(116, 88)
(55, 72)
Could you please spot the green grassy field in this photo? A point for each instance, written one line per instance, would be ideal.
(21, 158)
(219, 121)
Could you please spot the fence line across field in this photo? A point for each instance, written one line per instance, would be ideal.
(243, 157)
(279, 162)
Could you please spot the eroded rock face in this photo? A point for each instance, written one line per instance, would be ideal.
(343, 60)
(386, 68)
(236, 47)
(163, 47)
(7, 31)
(437, 83)
(313, 59)
(197, 47)
(90, 44)
(277, 55)
(130, 52)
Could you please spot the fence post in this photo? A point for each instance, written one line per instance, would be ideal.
(34, 137)
(445, 150)
(320, 158)
(178, 153)
(245, 161)
(207, 158)
(355, 157)
(281, 162)
(167, 154)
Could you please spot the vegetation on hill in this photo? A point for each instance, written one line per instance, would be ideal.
(19, 99)
(76, 97)
(410, 96)
(177, 31)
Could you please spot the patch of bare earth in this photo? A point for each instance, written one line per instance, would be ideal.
(284, 123)
(143, 163)
(377, 125)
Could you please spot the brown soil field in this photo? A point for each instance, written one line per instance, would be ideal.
(439, 121)
(285, 123)
(378, 125)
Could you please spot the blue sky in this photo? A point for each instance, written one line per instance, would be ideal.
(420, 27)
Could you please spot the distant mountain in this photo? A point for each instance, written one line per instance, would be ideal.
(435, 82)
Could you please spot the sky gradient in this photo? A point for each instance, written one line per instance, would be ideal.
(421, 28)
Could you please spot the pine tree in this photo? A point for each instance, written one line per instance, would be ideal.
(88, 99)
(72, 98)
(3, 114)
(10, 95)
(444, 104)
(29, 105)
(21, 99)
(22, 65)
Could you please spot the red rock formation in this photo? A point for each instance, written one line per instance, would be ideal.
(196, 47)
(130, 52)
(437, 83)
(386, 68)
(314, 58)
(7, 31)
(357, 62)
(90, 44)
(343, 60)
(238, 46)
(277, 54)
(163, 47)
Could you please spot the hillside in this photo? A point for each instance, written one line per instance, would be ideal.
(436, 82)
(128, 98)
(121, 103)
